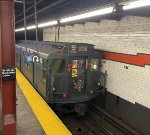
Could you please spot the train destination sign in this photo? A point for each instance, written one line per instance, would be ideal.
(9, 73)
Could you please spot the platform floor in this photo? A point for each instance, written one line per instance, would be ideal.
(27, 123)
(34, 116)
(49, 121)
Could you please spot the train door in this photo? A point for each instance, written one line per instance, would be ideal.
(94, 73)
(77, 76)
(57, 78)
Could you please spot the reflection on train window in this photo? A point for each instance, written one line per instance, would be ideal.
(78, 68)
(94, 64)
(58, 65)
(44, 69)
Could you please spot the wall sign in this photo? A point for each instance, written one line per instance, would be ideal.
(8, 73)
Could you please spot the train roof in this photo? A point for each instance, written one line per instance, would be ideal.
(49, 43)
(70, 43)
(47, 47)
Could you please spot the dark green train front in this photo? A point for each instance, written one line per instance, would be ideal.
(65, 73)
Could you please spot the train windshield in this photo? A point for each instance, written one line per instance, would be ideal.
(94, 64)
(78, 67)
(58, 65)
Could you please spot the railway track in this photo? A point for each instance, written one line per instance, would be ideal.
(96, 122)
(126, 130)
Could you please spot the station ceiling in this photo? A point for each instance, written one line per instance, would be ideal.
(54, 9)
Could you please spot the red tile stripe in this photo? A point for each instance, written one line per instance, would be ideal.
(139, 59)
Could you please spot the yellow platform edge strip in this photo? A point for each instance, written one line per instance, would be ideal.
(49, 121)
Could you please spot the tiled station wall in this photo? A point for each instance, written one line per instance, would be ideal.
(125, 46)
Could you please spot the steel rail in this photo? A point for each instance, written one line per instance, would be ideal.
(117, 123)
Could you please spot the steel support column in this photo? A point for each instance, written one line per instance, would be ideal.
(8, 61)
(0, 84)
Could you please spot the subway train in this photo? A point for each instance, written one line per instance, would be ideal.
(66, 75)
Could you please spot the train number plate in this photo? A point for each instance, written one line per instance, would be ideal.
(8, 73)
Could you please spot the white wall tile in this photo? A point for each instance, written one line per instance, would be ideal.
(130, 35)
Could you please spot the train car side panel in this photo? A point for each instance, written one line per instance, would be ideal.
(40, 77)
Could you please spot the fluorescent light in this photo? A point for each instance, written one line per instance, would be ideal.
(72, 18)
(137, 4)
(47, 24)
(40, 26)
(18, 1)
(87, 15)
(20, 29)
(31, 27)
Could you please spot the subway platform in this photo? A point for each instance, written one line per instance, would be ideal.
(34, 116)
(27, 123)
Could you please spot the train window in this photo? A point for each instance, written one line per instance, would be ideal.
(94, 64)
(78, 63)
(17, 55)
(78, 67)
(44, 63)
(74, 68)
(58, 65)
(44, 69)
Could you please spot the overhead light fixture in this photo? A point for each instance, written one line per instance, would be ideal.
(31, 27)
(137, 4)
(18, 1)
(72, 18)
(87, 15)
(20, 29)
(51, 23)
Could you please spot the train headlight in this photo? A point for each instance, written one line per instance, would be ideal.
(98, 83)
(54, 89)
(94, 66)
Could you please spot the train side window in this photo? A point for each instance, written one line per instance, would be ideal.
(58, 65)
(17, 55)
(44, 69)
(44, 63)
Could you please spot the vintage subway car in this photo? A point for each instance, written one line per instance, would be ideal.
(66, 75)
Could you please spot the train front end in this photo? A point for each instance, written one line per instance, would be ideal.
(75, 78)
